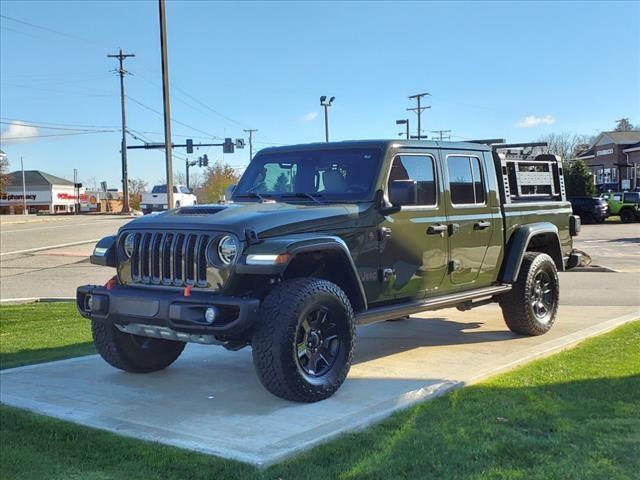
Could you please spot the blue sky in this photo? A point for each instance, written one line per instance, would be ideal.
(514, 70)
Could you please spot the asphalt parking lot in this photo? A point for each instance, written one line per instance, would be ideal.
(210, 400)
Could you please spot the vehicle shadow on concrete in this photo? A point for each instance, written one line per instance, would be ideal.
(388, 338)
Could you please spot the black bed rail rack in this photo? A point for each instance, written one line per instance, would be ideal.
(528, 176)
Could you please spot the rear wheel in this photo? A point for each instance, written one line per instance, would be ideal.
(304, 340)
(627, 215)
(530, 308)
(133, 353)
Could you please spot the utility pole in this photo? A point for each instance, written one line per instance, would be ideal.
(326, 105)
(123, 147)
(75, 191)
(24, 190)
(251, 131)
(165, 101)
(419, 109)
(440, 132)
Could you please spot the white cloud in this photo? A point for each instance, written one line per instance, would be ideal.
(17, 132)
(535, 120)
(310, 117)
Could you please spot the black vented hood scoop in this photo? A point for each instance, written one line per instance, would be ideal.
(200, 210)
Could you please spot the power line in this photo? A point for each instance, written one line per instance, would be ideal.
(57, 135)
(25, 124)
(56, 123)
(174, 120)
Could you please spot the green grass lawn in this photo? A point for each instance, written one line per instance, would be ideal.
(41, 332)
(575, 415)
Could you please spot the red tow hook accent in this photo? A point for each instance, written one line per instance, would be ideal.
(187, 291)
(111, 283)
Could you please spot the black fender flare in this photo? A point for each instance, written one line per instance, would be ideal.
(518, 244)
(290, 247)
(105, 252)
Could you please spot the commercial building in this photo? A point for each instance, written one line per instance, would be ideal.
(44, 193)
(614, 159)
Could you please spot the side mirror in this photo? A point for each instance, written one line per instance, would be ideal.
(403, 192)
(229, 192)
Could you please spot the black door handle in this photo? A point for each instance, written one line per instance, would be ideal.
(436, 229)
(481, 225)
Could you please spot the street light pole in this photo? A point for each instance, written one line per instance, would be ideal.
(24, 190)
(404, 122)
(165, 100)
(326, 105)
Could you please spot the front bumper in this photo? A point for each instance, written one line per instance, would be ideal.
(124, 305)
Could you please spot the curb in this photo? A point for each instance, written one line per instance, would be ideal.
(27, 300)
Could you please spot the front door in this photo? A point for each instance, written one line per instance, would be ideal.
(471, 220)
(413, 241)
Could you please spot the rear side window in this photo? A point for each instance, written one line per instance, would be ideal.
(466, 181)
(631, 197)
(419, 168)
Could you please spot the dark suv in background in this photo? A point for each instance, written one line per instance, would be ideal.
(590, 209)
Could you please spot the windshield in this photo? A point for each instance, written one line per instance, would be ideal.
(346, 174)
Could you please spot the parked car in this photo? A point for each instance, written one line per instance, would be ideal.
(590, 209)
(156, 200)
(320, 238)
(625, 204)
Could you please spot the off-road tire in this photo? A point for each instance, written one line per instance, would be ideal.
(133, 353)
(275, 354)
(516, 305)
(627, 215)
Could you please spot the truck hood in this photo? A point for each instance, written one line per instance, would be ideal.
(266, 219)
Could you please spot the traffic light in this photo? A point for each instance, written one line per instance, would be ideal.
(228, 146)
(189, 145)
(203, 161)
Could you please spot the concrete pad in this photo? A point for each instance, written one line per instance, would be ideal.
(211, 401)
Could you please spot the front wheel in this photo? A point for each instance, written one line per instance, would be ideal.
(133, 353)
(530, 308)
(304, 340)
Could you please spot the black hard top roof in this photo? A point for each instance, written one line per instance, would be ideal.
(379, 144)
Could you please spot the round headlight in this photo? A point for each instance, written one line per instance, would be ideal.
(227, 249)
(127, 244)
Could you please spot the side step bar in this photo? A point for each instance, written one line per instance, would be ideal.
(387, 312)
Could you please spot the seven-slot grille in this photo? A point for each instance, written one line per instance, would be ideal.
(166, 258)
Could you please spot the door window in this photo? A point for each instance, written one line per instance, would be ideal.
(465, 180)
(419, 168)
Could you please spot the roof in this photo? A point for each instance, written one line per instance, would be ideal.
(378, 144)
(35, 178)
(624, 138)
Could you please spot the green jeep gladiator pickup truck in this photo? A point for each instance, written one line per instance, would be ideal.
(319, 238)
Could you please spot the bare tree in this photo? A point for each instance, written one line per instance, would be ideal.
(566, 145)
(4, 171)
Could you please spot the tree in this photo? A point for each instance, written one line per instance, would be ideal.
(282, 184)
(217, 179)
(566, 145)
(624, 125)
(4, 171)
(136, 187)
(578, 179)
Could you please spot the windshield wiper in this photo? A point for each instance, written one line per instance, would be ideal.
(303, 195)
(251, 195)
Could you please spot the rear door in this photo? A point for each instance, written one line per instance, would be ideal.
(413, 245)
(473, 216)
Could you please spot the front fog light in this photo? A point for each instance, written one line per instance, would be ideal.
(88, 303)
(210, 314)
